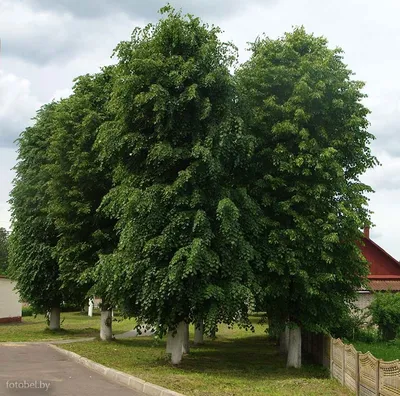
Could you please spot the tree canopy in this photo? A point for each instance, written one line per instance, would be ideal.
(183, 252)
(79, 183)
(33, 235)
(185, 190)
(304, 109)
(3, 250)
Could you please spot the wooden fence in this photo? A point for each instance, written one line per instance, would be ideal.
(361, 372)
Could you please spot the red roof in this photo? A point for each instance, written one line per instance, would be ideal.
(379, 285)
(384, 268)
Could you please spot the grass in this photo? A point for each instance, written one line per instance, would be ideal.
(74, 325)
(236, 363)
(389, 350)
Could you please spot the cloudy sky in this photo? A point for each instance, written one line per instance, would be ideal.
(46, 43)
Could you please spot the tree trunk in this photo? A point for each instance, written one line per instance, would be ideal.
(198, 333)
(185, 346)
(55, 318)
(284, 341)
(91, 305)
(175, 343)
(106, 325)
(294, 351)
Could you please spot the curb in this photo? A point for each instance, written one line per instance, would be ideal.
(118, 376)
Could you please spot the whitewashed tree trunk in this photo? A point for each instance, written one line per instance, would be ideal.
(284, 341)
(199, 333)
(91, 306)
(294, 350)
(55, 318)
(185, 346)
(106, 325)
(175, 343)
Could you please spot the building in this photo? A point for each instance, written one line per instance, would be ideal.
(10, 306)
(384, 271)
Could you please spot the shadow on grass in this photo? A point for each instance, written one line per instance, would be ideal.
(253, 357)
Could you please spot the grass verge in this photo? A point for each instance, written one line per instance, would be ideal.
(236, 363)
(74, 325)
(388, 351)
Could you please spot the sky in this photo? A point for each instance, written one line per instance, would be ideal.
(45, 44)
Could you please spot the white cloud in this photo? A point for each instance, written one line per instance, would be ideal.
(17, 106)
(385, 202)
(7, 160)
(44, 37)
(89, 9)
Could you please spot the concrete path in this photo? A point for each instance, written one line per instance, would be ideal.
(145, 332)
(38, 369)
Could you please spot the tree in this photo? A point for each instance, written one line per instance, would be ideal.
(77, 186)
(33, 235)
(302, 106)
(3, 251)
(183, 254)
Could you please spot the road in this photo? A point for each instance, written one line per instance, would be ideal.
(38, 369)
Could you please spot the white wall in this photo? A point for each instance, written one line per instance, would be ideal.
(9, 300)
(364, 300)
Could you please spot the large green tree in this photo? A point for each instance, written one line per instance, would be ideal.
(3, 250)
(183, 252)
(34, 237)
(77, 186)
(305, 111)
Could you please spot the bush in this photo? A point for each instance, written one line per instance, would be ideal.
(27, 311)
(385, 312)
(67, 307)
(352, 326)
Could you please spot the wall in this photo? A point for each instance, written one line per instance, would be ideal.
(364, 300)
(10, 307)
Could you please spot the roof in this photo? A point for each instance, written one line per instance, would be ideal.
(390, 285)
(382, 250)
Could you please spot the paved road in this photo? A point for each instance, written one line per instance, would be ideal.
(40, 366)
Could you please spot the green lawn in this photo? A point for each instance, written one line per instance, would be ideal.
(236, 363)
(382, 350)
(74, 325)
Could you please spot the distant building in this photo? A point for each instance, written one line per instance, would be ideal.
(384, 271)
(10, 306)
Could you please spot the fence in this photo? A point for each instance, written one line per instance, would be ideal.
(361, 372)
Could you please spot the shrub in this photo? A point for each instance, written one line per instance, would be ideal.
(68, 307)
(352, 326)
(27, 311)
(385, 313)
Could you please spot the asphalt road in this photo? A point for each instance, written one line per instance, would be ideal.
(38, 369)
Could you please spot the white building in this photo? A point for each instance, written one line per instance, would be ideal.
(10, 306)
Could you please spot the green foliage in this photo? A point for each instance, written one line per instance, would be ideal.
(27, 311)
(68, 307)
(204, 194)
(353, 325)
(79, 183)
(385, 312)
(175, 146)
(3, 251)
(33, 235)
(302, 106)
(57, 231)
